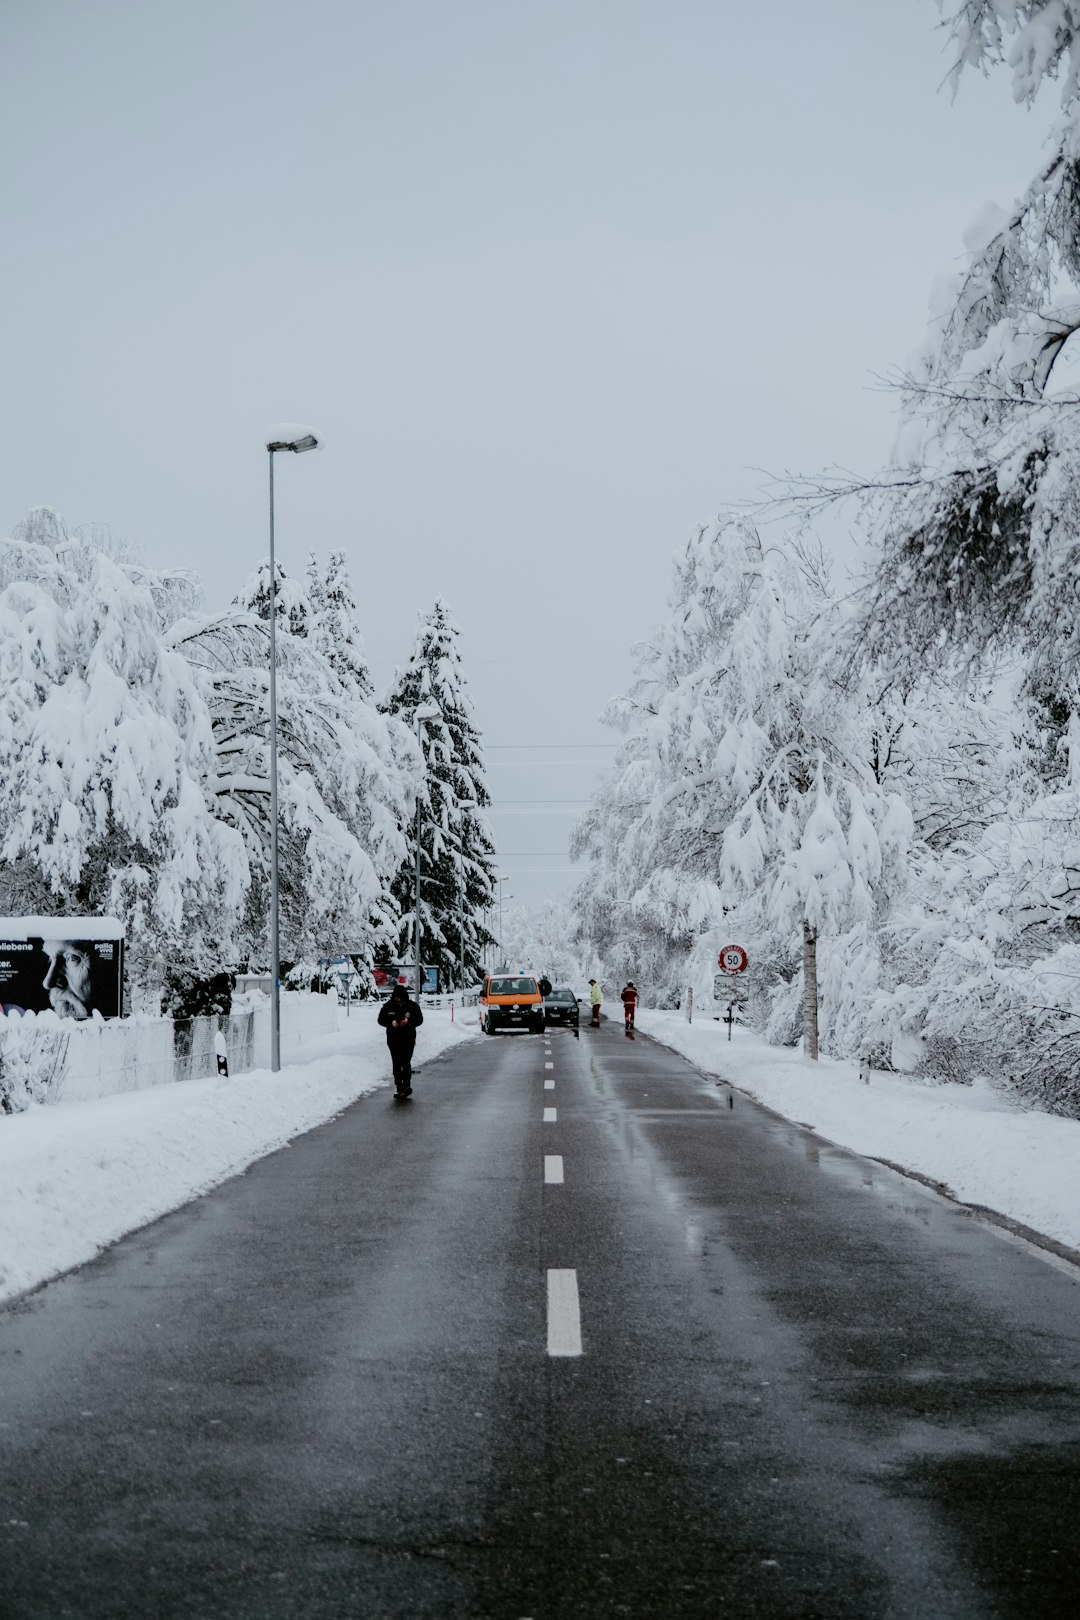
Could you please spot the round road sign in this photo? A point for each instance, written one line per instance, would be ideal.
(732, 959)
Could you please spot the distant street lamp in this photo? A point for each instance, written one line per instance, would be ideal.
(296, 439)
(425, 711)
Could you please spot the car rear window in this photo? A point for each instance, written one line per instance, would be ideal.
(514, 987)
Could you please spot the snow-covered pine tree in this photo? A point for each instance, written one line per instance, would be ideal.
(457, 873)
(106, 752)
(333, 629)
(290, 598)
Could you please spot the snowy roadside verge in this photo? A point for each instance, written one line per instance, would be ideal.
(979, 1143)
(74, 1177)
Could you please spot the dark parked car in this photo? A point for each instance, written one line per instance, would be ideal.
(561, 1007)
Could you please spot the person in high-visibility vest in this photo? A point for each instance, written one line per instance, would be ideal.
(595, 998)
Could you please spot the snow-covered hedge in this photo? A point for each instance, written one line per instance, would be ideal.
(45, 1059)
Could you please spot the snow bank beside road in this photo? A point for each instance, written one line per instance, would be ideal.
(75, 1177)
(985, 1147)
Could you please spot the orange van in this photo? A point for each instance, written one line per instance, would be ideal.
(511, 1001)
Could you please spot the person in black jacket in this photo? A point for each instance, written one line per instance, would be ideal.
(401, 1018)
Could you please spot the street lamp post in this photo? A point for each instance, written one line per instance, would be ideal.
(295, 439)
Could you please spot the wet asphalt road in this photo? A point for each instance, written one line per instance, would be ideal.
(808, 1386)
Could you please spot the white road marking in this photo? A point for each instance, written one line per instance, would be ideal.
(549, 1065)
(564, 1314)
(550, 1116)
(549, 1085)
(553, 1171)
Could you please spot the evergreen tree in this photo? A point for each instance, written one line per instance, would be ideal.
(334, 630)
(290, 600)
(457, 874)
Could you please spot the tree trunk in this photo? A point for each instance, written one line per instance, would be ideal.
(810, 1006)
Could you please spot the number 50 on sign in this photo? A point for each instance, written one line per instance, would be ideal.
(732, 959)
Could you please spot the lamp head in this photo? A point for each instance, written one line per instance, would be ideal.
(295, 437)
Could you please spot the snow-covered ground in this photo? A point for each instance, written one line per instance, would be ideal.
(981, 1143)
(77, 1176)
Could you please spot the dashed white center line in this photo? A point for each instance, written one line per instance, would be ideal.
(564, 1314)
(549, 1085)
(550, 1116)
(549, 1065)
(553, 1170)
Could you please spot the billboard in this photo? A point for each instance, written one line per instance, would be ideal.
(72, 966)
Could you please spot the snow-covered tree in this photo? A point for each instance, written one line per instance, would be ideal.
(457, 874)
(333, 629)
(290, 599)
(540, 939)
(984, 957)
(106, 751)
(976, 521)
(346, 773)
(744, 801)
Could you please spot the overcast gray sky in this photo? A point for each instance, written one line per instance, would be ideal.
(552, 278)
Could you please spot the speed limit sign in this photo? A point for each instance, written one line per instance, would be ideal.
(732, 959)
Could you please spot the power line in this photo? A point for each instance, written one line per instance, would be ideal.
(531, 812)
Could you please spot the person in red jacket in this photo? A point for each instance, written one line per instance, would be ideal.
(629, 1003)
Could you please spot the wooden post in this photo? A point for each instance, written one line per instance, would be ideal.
(810, 996)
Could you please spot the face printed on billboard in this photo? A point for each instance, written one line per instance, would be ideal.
(74, 978)
(68, 979)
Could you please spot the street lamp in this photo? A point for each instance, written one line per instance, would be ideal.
(287, 436)
(424, 711)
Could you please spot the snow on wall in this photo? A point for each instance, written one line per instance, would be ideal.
(46, 1059)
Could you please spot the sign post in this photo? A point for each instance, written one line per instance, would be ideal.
(345, 979)
(732, 961)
